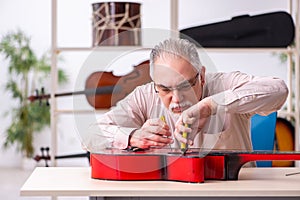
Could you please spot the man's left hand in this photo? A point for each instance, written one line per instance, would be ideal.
(196, 117)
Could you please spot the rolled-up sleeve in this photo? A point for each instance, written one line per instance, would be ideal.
(114, 127)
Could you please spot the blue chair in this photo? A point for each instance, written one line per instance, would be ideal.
(263, 134)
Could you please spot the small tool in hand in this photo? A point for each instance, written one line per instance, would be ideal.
(163, 119)
(184, 146)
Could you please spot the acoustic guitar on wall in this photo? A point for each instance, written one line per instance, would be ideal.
(284, 140)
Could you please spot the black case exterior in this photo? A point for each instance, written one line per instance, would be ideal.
(274, 29)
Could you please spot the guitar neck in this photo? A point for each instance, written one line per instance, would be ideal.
(234, 161)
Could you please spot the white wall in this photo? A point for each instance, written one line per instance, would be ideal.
(74, 29)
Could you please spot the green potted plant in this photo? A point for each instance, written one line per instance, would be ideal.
(25, 71)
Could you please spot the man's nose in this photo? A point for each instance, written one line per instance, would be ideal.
(176, 96)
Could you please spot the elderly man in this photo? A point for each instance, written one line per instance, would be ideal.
(213, 110)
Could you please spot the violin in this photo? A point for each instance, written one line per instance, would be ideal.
(194, 166)
(104, 89)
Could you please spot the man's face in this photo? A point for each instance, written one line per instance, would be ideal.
(178, 83)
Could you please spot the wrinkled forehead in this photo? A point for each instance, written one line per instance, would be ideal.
(171, 70)
(166, 75)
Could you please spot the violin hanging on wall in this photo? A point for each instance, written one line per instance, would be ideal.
(104, 89)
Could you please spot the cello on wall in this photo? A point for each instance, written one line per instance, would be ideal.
(104, 89)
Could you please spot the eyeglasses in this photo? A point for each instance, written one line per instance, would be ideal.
(184, 86)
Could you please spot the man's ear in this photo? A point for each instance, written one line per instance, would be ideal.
(202, 75)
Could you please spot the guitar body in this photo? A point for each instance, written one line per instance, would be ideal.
(169, 164)
(118, 165)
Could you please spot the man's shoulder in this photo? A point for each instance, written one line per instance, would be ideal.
(145, 89)
(145, 93)
(213, 76)
(216, 75)
(220, 81)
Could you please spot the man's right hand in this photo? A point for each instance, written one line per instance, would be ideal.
(154, 132)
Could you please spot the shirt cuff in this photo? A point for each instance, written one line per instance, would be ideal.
(121, 138)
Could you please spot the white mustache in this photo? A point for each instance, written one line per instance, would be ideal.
(180, 105)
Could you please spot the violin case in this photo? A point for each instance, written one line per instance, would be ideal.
(275, 29)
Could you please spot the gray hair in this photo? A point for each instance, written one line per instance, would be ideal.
(178, 48)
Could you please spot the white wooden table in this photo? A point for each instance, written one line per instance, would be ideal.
(77, 181)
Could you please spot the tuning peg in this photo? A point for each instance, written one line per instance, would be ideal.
(43, 95)
(39, 97)
(41, 157)
(36, 92)
(47, 155)
(42, 150)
